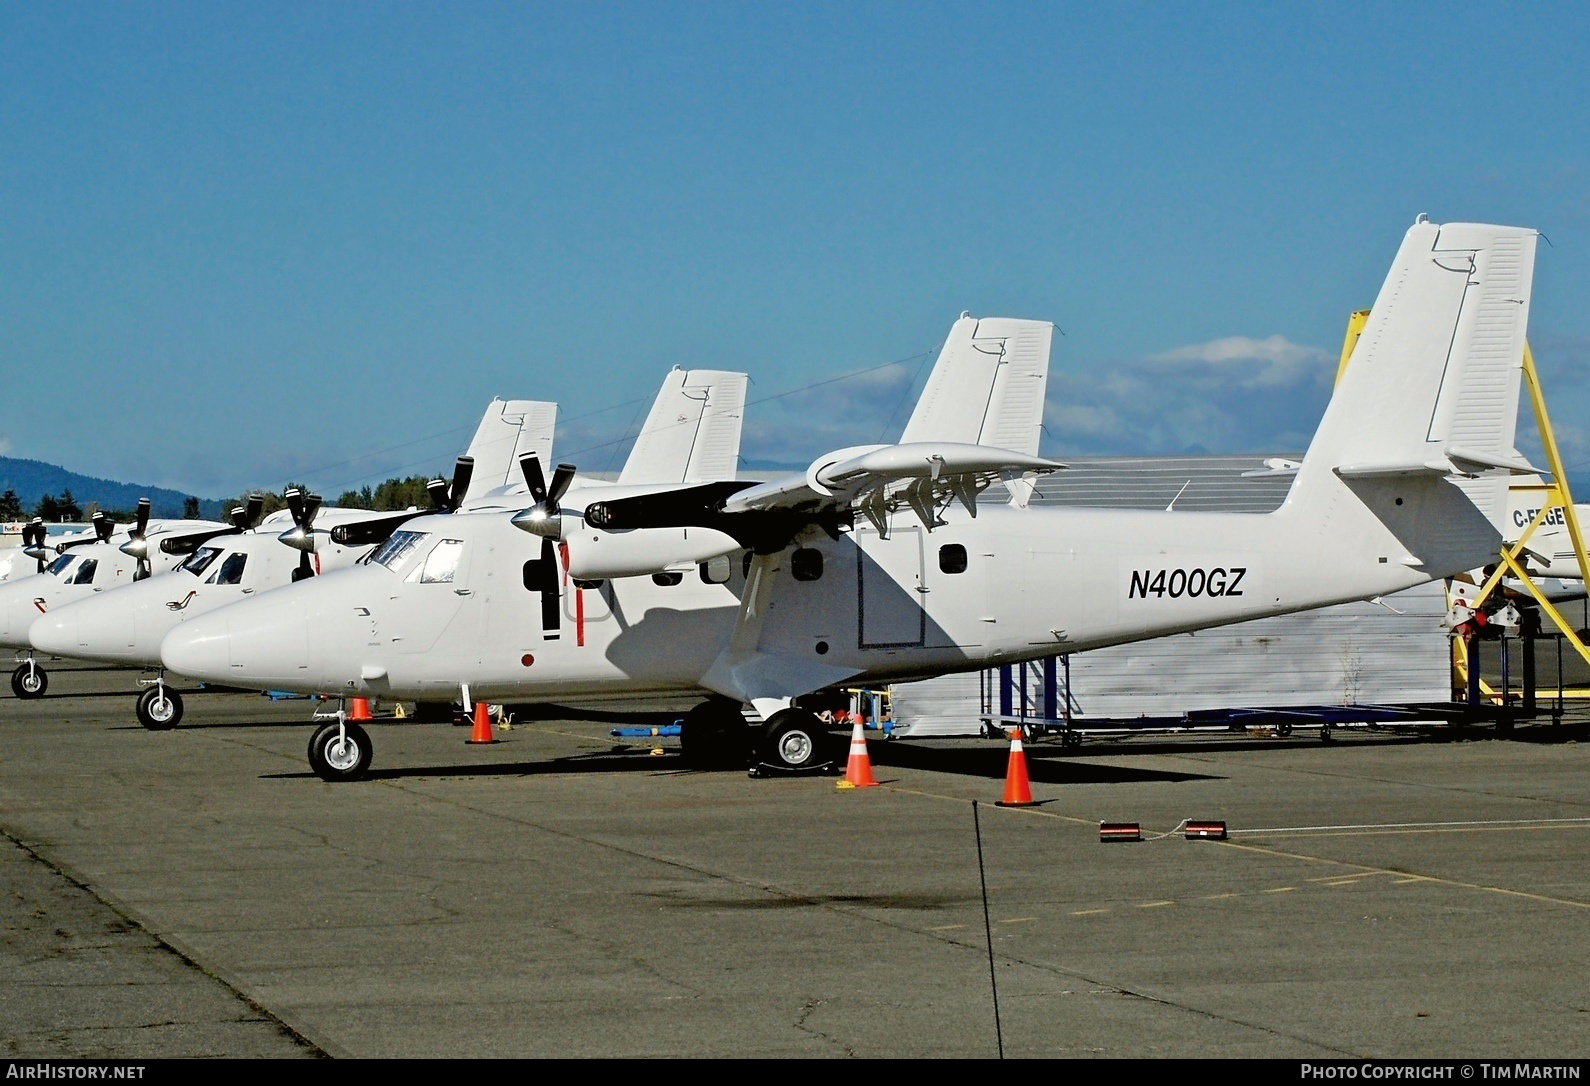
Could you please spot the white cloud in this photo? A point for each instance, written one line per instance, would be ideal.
(1258, 363)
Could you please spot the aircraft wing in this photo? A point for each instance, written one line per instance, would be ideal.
(875, 479)
(692, 433)
(375, 528)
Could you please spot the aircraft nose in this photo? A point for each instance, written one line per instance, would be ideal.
(260, 644)
(199, 648)
(17, 612)
(55, 633)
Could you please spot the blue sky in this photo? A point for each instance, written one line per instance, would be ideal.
(242, 245)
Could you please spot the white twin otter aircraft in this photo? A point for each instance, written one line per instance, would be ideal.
(880, 563)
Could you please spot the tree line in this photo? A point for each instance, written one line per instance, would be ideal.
(392, 495)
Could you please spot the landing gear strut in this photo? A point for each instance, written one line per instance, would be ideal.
(29, 681)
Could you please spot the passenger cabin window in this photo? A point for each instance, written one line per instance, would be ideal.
(84, 574)
(806, 564)
(667, 580)
(199, 561)
(398, 547)
(952, 558)
(230, 571)
(442, 563)
(716, 570)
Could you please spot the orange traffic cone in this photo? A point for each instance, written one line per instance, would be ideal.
(858, 770)
(359, 709)
(1018, 793)
(482, 731)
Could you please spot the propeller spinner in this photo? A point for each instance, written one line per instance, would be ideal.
(137, 545)
(545, 517)
(301, 534)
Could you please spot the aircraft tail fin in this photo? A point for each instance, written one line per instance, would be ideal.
(987, 386)
(1427, 406)
(692, 433)
(508, 430)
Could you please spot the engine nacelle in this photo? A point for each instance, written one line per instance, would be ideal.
(595, 554)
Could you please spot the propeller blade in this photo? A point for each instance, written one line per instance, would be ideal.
(530, 464)
(295, 505)
(142, 515)
(437, 489)
(561, 478)
(240, 518)
(103, 526)
(463, 470)
(255, 507)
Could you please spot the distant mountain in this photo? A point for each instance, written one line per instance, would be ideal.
(32, 479)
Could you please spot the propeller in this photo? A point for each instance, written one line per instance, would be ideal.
(33, 535)
(103, 526)
(447, 497)
(301, 534)
(254, 508)
(545, 517)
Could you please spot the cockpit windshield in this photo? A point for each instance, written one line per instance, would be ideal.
(396, 549)
(57, 567)
(200, 560)
(230, 571)
(441, 565)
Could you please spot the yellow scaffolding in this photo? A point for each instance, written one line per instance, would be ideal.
(1555, 495)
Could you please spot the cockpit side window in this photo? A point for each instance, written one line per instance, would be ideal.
(396, 549)
(231, 571)
(57, 567)
(84, 573)
(441, 565)
(200, 560)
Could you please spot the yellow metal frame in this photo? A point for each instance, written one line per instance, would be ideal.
(1555, 495)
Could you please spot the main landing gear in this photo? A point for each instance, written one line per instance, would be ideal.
(29, 680)
(714, 735)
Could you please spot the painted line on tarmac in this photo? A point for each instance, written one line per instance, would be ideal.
(1420, 825)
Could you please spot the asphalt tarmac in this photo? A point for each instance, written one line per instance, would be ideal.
(566, 893)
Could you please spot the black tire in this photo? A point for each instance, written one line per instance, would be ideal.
(1283, 730)
(434, 712)
(29, 682)
(334, 761)
(714, 735)
(795, 741)
(159, 708)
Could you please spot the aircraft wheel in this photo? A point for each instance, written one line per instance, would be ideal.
(159, 708)
(1283, 730)
(28, 683)
(794, 740)
(339, 759)
(713, 736)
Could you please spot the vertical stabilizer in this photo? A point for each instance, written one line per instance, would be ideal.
(693, 431)
(987, 386)
(508, 430)
(1433, 382)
